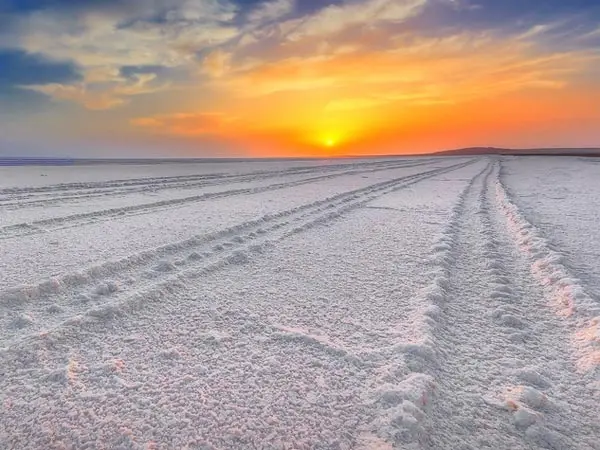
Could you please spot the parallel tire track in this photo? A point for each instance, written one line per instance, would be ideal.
(496, 369)
(408, 401)
(80, 219)
(467, 338)
(104, 291)
(565, 293)
(177, 178)
(44, 195)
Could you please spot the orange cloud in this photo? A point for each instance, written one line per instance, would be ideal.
(116, 89)
(357, 98)
(216, 63)
(186, 124)
(350, 88)
(517, 118)
(485, 68)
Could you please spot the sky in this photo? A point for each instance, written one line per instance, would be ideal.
(264, 78)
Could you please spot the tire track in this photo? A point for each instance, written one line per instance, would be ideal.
(78, 191)
(106, 291)
(466, 339)
(176, 178)
(495, 371)
(80, 219)
(564, 292)
(403, 423)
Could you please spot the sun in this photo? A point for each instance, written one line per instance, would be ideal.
(328, 140)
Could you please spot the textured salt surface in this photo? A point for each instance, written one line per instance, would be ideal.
(410, 304)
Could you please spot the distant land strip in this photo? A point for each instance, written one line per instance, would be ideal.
(470, 151)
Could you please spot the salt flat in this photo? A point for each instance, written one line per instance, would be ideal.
(425, 303)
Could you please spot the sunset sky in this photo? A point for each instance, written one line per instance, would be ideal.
(225, 78)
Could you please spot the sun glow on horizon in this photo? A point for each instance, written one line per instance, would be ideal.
(333, 137)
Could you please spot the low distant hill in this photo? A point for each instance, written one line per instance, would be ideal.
(470, 151)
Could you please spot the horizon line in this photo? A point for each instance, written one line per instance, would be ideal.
(466, 151)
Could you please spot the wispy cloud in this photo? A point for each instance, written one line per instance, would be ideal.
(100, 43)
(337, 18)
(271, 11)
(101, 89)
(186, 124)
(216, 63)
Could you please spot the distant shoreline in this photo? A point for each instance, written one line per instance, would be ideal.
(12, 161)
(474, 151)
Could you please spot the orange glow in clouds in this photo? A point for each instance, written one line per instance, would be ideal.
(354, 77)
(434, 95)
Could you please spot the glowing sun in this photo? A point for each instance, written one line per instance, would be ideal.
(329, 142)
